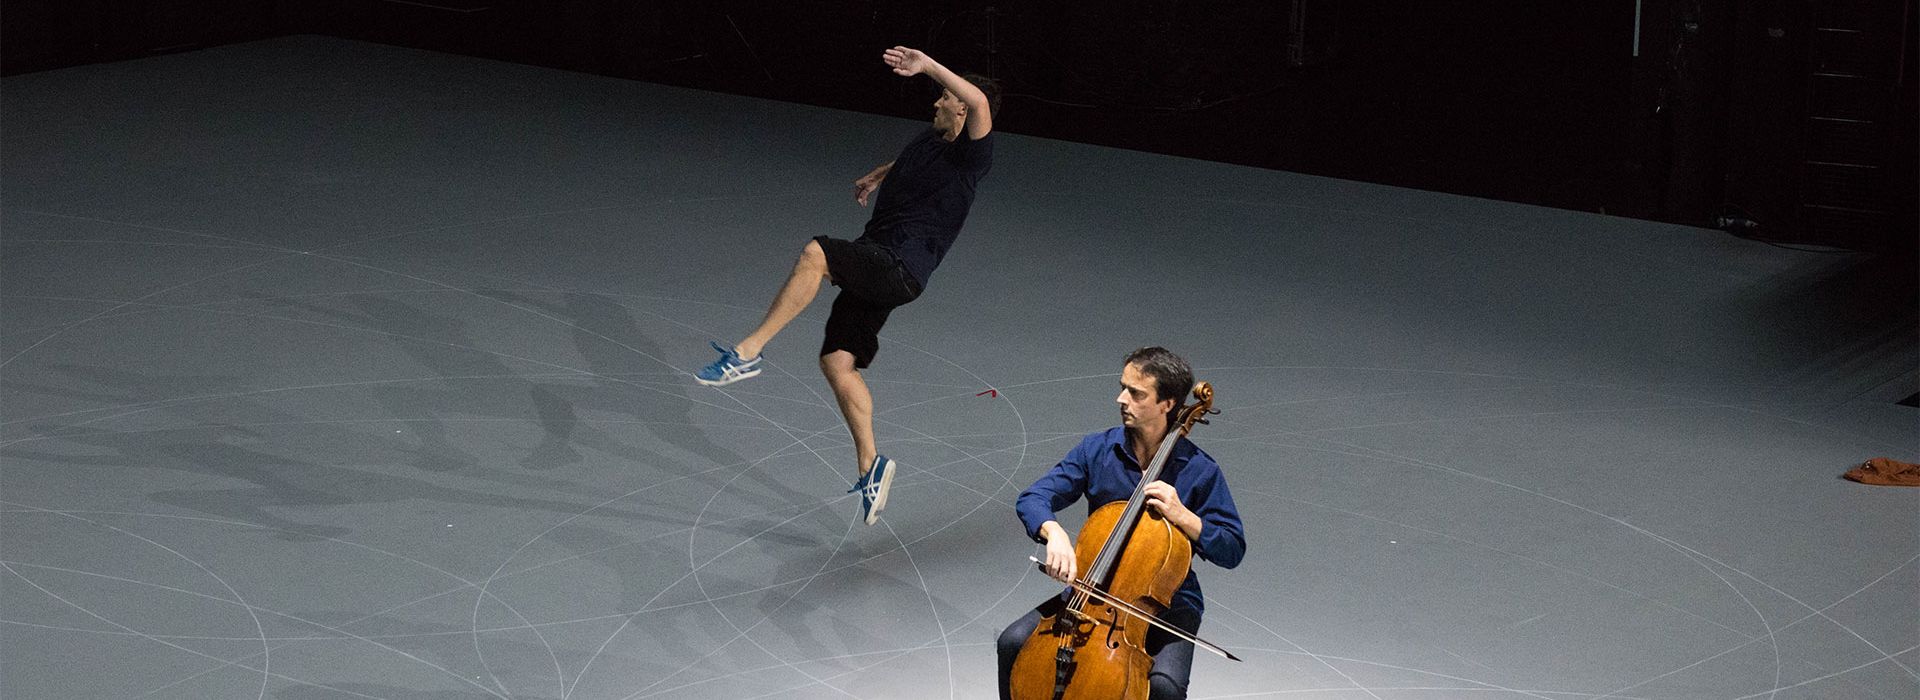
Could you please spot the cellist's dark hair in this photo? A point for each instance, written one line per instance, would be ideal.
(1172, 376)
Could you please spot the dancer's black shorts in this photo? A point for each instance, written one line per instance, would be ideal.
(872, 283)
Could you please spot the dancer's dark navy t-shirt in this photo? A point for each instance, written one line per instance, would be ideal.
(924, 199)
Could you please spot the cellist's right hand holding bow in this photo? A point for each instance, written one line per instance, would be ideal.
(1061, 563)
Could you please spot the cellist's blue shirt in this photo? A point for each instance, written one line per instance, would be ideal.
(1104, 470)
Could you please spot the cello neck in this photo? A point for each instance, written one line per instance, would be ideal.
(1110, 551)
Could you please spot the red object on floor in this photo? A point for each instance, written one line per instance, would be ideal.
(1881, 471)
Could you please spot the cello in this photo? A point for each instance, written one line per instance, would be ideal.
(1095, 646)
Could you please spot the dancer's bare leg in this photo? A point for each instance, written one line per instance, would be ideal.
(793, 298)
(856, 403)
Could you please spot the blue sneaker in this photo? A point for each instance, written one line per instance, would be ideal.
(873, 488)
(728, 369)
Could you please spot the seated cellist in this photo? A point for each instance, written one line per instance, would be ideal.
(1191, 494)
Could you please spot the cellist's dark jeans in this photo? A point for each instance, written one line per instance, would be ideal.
(1172, 656)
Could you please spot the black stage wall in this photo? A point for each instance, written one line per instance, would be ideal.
(1707, 112)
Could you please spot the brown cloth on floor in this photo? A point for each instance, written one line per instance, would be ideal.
(1881, 471)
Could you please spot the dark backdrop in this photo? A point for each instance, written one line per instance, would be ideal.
(1520, 100)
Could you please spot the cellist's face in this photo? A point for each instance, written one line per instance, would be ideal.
(1139, 405)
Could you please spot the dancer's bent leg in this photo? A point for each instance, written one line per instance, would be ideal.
(793, 298)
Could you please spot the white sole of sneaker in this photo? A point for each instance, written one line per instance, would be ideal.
(729, 380)
(880, 494)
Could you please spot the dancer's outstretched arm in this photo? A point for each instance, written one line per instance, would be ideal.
(907, 61)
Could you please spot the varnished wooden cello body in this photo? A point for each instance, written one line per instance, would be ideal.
(1094, 648)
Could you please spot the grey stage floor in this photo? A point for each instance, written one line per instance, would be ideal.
(341, 371)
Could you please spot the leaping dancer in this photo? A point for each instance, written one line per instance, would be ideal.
(916, 217)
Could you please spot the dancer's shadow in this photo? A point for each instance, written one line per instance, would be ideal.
(472, 382)
(114, 392)
(613, 345)
(466, 376)
(266, 471)
(270, 485)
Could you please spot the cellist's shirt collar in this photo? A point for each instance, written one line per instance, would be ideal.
(1123, 447)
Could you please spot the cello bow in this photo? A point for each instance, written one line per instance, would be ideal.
(1136, 611)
